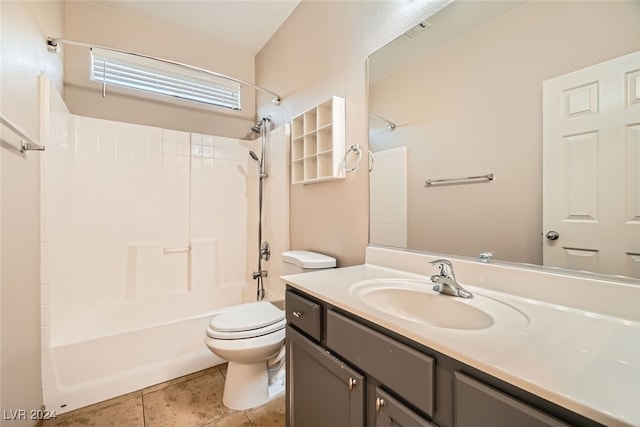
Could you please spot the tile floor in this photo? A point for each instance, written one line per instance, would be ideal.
(191, 401)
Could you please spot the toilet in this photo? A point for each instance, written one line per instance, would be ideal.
(251, 336)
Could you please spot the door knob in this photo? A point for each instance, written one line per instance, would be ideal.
(379, 404)
(552, 235)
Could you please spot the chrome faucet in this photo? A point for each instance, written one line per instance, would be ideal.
(445, 281)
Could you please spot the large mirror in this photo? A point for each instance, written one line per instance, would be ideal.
(475, 91)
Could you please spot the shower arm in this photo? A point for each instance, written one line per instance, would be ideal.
(53, 45)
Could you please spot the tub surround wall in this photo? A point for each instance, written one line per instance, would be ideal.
(122, 203)
(126, 201)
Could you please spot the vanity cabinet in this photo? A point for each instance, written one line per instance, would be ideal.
(345, 371)
(335, 378)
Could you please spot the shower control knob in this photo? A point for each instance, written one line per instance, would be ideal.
(552, 235)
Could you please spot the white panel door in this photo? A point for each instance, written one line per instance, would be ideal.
(591, 177)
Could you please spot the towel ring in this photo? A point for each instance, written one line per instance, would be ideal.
(356, 149)
(370, 161)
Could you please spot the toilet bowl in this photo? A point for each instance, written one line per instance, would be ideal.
(250, 337)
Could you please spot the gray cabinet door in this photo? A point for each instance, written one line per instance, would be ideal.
(477, 404)
(392, 413)
(323, 391)
(402, 369)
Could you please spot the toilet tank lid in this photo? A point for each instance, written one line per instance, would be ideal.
(307, 259)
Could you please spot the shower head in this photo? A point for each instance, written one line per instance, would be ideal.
(261, 166)
(257, 128)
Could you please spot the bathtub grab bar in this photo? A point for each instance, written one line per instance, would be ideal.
(26, 143)
(175, 250)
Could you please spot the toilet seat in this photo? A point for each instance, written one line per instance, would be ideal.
(247, 321)
(251, 333)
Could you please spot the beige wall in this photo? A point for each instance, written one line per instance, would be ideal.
(24, 58)
(92, 23)
(1, 405)
(320, 51)
(475, 106)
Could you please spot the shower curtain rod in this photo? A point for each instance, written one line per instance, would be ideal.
(53, 45)
(390, 125)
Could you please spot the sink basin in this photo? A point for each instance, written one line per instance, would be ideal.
(415, 301)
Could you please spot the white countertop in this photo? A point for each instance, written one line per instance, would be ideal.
(586, 362)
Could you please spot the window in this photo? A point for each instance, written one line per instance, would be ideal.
(154, 76)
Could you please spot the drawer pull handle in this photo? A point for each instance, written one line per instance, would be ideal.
(352, 383)
(379, 404)
(297, 314)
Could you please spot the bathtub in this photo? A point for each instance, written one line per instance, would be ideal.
(82, 366)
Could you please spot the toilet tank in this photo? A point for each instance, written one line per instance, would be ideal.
(304, 261)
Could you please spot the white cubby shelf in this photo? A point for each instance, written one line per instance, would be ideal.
(318, 143)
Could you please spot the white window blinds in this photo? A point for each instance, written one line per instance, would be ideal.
(148, 75)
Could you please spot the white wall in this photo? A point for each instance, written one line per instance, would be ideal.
(320, 51)
(24, 58)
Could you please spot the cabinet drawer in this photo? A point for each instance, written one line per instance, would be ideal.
(304, 314)
(477, 404)
(399, 367)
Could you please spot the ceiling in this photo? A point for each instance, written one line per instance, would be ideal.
(246, 25)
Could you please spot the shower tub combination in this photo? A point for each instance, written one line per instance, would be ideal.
(145, 238)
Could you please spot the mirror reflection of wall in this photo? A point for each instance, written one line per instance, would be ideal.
(388, 203)
(466, 96)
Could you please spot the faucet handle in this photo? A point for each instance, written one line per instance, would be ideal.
(445, 267)
(485, 256)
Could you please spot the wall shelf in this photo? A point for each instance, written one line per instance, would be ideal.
(318, 143)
